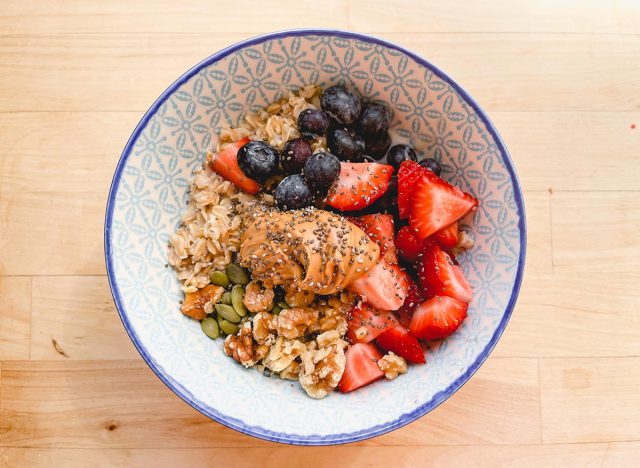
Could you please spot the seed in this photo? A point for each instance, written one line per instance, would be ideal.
(237, 294)
(283, 305)
(276, 309)
(226, 298)
(228, 313)
(210, 328)
(228, 327)
(237, 274)
(219, 278)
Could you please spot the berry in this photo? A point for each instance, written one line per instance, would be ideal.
(361, 367)
(377, 146)
(225, 163)
(408, 175)
(313, 121)
(358, 185)
(447, 237)
(293, 193)
(437, 318)
(385, 286)
(400, 342)
(432, 165)
(258, 160)
(399, 153)
(341, 104)
(321, 170)
(439, 275)
(295, 154)
(345, 143)
(409, 247)
(374, 120)
(380, 229)
(415, 297)
(365, 323)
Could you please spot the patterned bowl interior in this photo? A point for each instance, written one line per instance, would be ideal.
(149, 192)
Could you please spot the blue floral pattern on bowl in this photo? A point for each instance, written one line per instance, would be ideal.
(149, 192)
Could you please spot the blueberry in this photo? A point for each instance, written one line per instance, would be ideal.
(293, 193)
(321, 170)
(313, 121)
(345, 143)
(374, 120)
(258, 160)
(294, 155)
(341, 104)
(399, 153)
(377, 146)
(432, 165)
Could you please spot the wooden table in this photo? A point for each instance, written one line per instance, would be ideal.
(561, 81)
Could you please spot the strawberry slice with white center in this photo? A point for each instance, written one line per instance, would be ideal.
(399, 341)
(385, 286)
(365, 323)
(437, 204)
(380, 229)
(359, 185)
(437, 318)
(361, 368)
(408, 245)
(225, 163)
(408, 175)
(439, 275)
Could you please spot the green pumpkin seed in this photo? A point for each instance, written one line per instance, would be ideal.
(283, 305)
(226, 298)
(210, 328)
(237, 294)
(276, 309)
(219, 278)
(228, 313)
(228, 327)
(237, 274)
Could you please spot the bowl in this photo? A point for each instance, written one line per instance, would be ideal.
(149, 192)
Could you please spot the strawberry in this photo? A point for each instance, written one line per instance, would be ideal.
(366, 323)
(437, 318)
(361, 368)
(225, 163)
(359, 185)
(439, 275)
(437, 204)
(380, 229)
(399, 341)
(408, 174)
(447, 237)
(415, 297)
(408, 244)
(385, 287)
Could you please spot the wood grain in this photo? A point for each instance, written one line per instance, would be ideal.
(15, 317)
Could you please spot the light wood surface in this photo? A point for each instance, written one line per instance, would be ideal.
(560, 79)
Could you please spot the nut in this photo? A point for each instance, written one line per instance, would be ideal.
(322, 369)
(291, 372)
(298, 298)
(240, 346)
(282, 353)
(258, 298)
(264, 327)
(392, 365)
(200, 303)
(292, 323)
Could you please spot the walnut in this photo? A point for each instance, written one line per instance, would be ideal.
(330, 337)
(298, 298)
(322, 368)
(333, 319)
(200, 303)
(392, 365)
(264, 327)
(282, 353)
(291, 372)
(240, 346)
(293, 322)
(465, 242)
(258, 298)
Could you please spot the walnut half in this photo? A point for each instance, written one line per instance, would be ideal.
(198, 304)
(258, 298)
(322, 368)
(293, 323)
(392, 365)
(240, 346)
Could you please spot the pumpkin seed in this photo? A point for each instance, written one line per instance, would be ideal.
(210, 328)
(228, 327)
(237, 294)
(237, 274)
(219, 278)
(228, 313)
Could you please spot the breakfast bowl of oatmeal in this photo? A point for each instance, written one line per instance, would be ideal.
(315, 237)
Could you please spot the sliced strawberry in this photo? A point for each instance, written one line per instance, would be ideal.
(225, 163)
(408, 245)
(380, 229)
(385, 287)
(361, 368)
(359, 185)
(366, 323)
(447, 237)
(398, 341)
(436, 204)
(408, 174)
(439, 275)
(438, 318)
(415, 297)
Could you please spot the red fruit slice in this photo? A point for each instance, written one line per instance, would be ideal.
(399, 341)
(415, 297)
(366, 323)
(408, 245)
(359, 185)
(225, 163)
(438, 318)
(439, 275)
(380, 229)
(437, 204)
(447, 237)
(408, 174)
(361, 368)
(385, 287)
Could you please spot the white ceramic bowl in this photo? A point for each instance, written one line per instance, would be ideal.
(149, 192)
